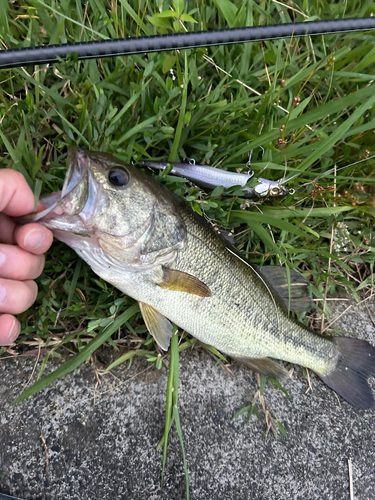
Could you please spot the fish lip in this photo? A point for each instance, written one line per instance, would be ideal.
(59, 203)
(78, 164)
(75, 190)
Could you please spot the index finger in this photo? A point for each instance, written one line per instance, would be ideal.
(16, 197)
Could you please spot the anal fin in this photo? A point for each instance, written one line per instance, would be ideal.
(294, 292)
(264, 366)
(158, 325)
(183, 282)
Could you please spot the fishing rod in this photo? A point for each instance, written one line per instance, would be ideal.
(8, 497)
(129, 46)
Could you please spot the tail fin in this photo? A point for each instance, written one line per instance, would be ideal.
(355, 366)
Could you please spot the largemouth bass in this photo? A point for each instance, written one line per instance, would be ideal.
(144, 240)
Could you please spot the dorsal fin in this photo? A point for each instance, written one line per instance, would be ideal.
(294, 292)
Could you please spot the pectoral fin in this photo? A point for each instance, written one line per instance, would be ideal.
(265, 366)
(294, 292)
(158, 325)
(183, 282)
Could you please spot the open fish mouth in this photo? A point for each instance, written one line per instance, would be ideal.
(77, 197)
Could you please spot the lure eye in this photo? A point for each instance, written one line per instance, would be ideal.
(118, 176)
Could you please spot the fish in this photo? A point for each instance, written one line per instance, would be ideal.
(146, 241)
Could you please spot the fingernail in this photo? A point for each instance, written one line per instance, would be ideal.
(3, 295)
(14, 332)
(34, 239)
(3, 258)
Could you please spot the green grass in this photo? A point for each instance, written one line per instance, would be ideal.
(214, 105)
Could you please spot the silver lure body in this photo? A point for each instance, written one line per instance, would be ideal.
(210, 177)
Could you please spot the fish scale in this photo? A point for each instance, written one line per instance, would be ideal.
(240, 318)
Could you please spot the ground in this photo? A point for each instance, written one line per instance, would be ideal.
(102, 444)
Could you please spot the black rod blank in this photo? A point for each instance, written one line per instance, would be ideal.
(128, 46)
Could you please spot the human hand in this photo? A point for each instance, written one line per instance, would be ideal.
(21, 252)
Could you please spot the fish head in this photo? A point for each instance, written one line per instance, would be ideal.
(114, 212)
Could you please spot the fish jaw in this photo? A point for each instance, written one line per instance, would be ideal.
(63, 205)
(69, 211)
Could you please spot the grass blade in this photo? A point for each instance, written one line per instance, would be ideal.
(79, 358)
(179, 432)
(331, 140)
(135, 130)
(181, 118)
(168, 410)
(172, 407)
(73, 284)
(251, 217)
(308, 212)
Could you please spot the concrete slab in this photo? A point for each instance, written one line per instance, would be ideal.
(101, 441)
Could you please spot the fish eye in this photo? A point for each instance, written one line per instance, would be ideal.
(118, 176)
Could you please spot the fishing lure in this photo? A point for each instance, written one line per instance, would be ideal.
(210, 177)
